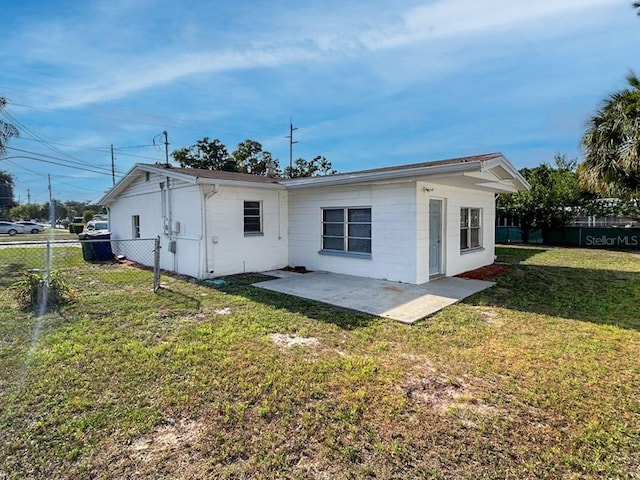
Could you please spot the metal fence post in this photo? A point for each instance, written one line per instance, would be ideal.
(156, 264)
(47, 263)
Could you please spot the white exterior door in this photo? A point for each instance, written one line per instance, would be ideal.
(435, 237)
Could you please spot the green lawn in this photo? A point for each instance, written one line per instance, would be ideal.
(48, 234)
(537, 377)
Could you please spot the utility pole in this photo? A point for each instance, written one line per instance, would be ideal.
(291, 142)
(166, 147)
(52, 207)
(113, 167)
(28, 196)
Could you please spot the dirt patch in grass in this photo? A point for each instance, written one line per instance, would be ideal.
(435, 391)
(490, 316)
(289, 340)
(489, 272)
(165, 440)
(424, 385)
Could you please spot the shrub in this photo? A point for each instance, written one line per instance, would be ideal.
(39, 292)
(76, 227)
(88, 215)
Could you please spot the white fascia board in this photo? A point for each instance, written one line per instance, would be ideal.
(379, 176)
(497, 187)
(504, 163)
(167, 172)
(238, 183)
(120, 185)
(130, 176)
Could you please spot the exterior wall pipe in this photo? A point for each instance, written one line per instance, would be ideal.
(208, 192)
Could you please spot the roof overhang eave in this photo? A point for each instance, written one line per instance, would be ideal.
(237, 183)
(517, 177)
(408, 173)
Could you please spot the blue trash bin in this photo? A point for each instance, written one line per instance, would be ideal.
(87, 250)
(96, 251)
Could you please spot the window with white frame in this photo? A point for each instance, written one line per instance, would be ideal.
(252, 217)
(346, 229)
(470, 230)
(135, 226)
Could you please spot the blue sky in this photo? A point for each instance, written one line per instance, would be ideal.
(367, 84)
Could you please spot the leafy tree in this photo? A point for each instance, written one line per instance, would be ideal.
(6, 193)
(250, 158)
(637, 5)
(303, 168)
(554, 199)
(29, 211)
(88, 215)
(60, 210)
(206, 154)
(73, 208)
(611, 165)
(6, 129)
(612, 207)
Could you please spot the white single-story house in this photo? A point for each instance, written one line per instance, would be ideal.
(409, 223)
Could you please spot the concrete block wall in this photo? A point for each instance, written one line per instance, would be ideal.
(455, 198)
(393, 217)
(144, 198)
(229, 250)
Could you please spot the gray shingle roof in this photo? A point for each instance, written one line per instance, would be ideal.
(245, 177)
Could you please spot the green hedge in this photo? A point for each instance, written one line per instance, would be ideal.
(76, 227)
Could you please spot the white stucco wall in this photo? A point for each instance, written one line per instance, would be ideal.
(400, 229)
(454, 199)
(229, 250)
(196, 253)
(144, 198)
(393, 221)
(212, 242)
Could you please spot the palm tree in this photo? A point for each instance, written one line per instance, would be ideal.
(611, 145)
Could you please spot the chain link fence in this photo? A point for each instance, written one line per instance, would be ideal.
(84, 260)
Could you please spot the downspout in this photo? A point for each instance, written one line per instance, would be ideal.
(279, 221)
(209, 191)
(170, 220)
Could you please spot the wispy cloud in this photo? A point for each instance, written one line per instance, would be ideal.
(95, 65)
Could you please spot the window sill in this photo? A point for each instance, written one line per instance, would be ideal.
(254, 234)
(472, 250)
(339, 253)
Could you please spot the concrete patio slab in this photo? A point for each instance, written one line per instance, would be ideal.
(403, 302)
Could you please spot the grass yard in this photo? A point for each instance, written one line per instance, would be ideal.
(48, 234)
(537, 377)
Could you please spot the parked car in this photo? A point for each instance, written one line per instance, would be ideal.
(11, 228)
(95, 225)
(32, 227)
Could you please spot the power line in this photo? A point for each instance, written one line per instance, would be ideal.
(80, 147)
(134, 146)
(58, 182)
(138, 156)
(104, 112)
(35, 135)
(93, 148)
(81, 166)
